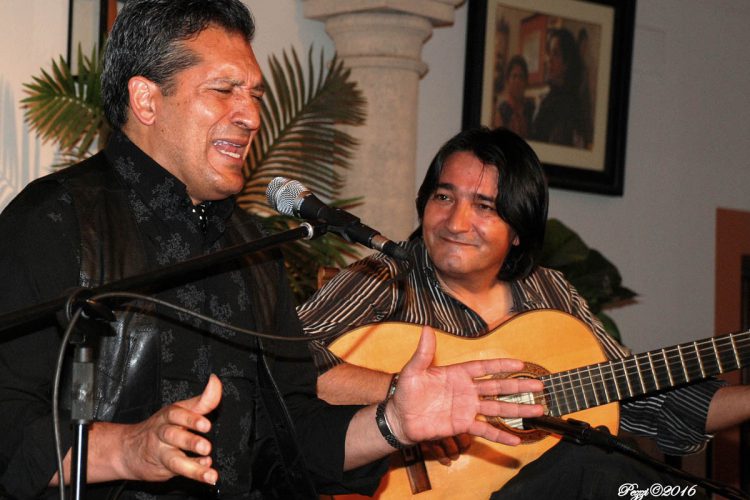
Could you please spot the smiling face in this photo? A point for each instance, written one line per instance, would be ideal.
(201, 130)
(465, 237)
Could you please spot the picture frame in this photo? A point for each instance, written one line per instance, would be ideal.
(572, 103)
(89, 21)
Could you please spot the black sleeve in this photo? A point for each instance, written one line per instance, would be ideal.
(321, 428)
(37, 263)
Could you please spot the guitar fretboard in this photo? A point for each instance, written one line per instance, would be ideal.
(594, 385)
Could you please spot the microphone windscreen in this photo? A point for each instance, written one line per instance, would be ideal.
(284, 195)
(273, 188)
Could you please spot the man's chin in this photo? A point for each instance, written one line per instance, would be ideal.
(217, 194)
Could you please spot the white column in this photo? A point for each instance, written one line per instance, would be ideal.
(381, 41)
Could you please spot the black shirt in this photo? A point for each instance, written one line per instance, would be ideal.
(40, 258)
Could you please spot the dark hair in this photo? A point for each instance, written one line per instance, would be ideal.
(521, 190)
(571, 56)
(519, 61)
(146, 40)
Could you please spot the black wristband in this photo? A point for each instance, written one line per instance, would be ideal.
(385, 429)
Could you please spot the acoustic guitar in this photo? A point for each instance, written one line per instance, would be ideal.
(559, 350)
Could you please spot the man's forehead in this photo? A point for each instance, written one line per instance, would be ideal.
(221, 60)
(480, 183)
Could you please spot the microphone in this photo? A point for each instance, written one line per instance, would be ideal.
(292, 198)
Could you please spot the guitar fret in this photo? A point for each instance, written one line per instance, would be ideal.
(711, 362)
(700, 361)
(666, 364)
(682, 362)
(640, 374)
(653, 370)
(584, 389)
(647, 372)
(726, 356)
(615, 380)
(594, 386)
(553, 402)
(572, 389)
(604, 384)
(744, 351)
(736, 352)
(716, 354)
(627, 379)
(570, 396)
(564, 392)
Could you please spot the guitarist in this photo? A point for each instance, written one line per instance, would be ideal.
(482, 209)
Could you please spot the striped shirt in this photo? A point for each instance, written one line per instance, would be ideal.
(379, 288)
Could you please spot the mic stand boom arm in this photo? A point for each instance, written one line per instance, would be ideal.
(165, 275)
(582, 433)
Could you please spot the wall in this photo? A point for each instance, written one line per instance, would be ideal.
(33, 32)
(686, 150)
(686, 155)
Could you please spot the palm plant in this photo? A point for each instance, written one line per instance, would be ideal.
(67, 109)
(299, 138)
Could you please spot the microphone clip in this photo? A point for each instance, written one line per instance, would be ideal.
(576, 431)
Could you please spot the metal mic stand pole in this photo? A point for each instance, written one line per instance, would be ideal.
(82, 415)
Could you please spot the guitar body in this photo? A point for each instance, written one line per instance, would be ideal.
(550, 339)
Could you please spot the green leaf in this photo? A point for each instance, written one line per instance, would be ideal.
(593, 275)
(66, 108)
(610, 326)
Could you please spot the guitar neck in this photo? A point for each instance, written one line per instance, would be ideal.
(594, 385)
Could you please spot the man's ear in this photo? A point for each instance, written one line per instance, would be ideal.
(516, 241)
(144, 99)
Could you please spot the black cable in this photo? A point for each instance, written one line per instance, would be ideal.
(56, 397)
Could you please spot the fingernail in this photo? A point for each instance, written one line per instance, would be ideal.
(210, 477)
(203, 448)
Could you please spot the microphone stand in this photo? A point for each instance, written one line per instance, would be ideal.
(78, 304)
(582, 433)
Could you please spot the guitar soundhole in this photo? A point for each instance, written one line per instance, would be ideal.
(515, 425)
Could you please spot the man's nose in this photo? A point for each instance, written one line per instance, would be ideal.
(459, 218)
(246, 113)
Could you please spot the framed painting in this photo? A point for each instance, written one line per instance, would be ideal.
(557, 72)
(88, 23)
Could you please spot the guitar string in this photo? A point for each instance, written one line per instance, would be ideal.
(658, 357)
(639, 360)
(600, 386)
(597, 385)
(708, 351)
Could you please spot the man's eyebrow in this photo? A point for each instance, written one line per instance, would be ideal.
(452, 187)
(238, 83)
